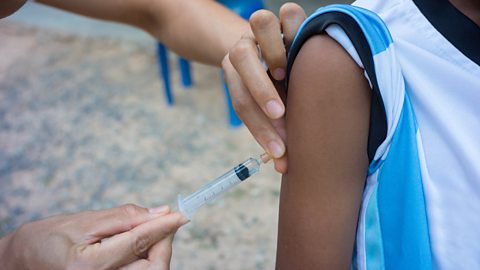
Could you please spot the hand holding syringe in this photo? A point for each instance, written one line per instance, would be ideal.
(217, 187)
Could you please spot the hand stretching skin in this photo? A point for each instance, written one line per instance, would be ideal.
(129, 237)
(256, 97)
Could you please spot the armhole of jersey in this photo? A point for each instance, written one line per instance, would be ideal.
(378, 119)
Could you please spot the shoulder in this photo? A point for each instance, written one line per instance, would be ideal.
(321, 50)
(324, 62)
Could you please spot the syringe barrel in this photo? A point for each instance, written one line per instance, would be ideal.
(217, 187)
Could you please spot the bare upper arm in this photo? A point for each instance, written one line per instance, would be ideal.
(328, 108)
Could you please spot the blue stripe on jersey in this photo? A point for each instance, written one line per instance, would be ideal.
(376, 33)
(393, 228)
(401, 203)
(374, 243)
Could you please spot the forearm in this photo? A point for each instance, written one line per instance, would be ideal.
(133, 12)
(201, 30)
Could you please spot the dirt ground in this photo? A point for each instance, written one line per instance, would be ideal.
(84, 125)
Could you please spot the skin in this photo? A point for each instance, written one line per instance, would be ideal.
(471, 9)
(178, 24)
(250, 85)
(214, 36)
(327, 244)
(327, 127)
(140, 238)
(10, 6)
(326, 134)
(251, 90)
(258, 100)
(76, 238)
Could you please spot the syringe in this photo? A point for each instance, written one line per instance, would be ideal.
(189, 205)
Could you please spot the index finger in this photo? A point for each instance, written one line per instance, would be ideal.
(244, 58)
(132, 245)
(117, 220)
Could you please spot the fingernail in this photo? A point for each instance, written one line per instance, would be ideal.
(274, 109)
(159, 210)
(279, 74)
(275, 149)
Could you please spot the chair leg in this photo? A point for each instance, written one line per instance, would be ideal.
(233, 117)
(165, 72)
(185, 73)
(244, 8)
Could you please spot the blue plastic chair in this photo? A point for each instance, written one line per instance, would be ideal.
(186, 77)
(244, 9)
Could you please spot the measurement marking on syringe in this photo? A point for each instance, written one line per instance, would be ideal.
(207, 198)
(220, 185)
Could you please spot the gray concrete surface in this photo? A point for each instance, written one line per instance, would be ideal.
(84, 125)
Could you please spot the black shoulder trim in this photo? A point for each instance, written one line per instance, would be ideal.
(378, 119)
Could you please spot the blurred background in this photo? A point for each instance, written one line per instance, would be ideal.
(84, 125)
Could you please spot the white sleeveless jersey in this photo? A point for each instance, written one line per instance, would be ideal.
(421, 204)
